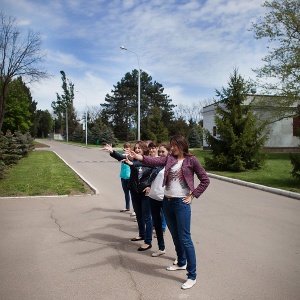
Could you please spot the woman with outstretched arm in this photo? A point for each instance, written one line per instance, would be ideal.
(180, 168)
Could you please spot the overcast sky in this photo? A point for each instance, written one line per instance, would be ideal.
(189, 46)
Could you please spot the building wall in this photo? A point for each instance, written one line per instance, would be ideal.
(281, 134)
(208, 121)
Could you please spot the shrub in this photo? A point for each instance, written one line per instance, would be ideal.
(13, 147)
(295, 161)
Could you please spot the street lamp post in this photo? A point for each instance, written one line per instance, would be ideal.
(139, 95)
(86, 121)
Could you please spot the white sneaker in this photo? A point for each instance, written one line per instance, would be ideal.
(176, 267)
(188, 284)
(158, 253)
(175, 262)
(132, 214)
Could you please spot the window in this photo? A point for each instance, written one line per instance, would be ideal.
(296, 126)
(214, 131)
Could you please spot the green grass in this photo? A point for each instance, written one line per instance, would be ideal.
(41, 173)
(275, 173)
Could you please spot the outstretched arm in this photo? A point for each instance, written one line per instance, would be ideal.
(134, 155)
(112, 153)
(108, 147)
(127, 161)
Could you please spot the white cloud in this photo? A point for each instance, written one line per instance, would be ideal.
(65, 59)
(190, 47)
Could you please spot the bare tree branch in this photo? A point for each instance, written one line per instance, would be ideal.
(19, 56)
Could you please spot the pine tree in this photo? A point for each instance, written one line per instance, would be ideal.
(241, 136)
(194, 137)
(107, 136)
(78, 135)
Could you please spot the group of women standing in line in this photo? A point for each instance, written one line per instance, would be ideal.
(165, 181)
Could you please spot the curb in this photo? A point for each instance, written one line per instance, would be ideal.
(257, 186)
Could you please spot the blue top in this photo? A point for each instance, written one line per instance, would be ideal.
(125, 171)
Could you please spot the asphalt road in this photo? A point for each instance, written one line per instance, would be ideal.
(247, 243)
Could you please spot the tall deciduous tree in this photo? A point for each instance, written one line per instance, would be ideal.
(63, 107)
(120, 108)
(190, 112)
(240, 135)
(281, 26)
(20, 55)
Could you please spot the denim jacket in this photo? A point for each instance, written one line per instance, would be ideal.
(190, 167)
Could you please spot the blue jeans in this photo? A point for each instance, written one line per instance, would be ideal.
(178, 217)
(156, 210)
(126, 192)
(163, 219)
(142, 210)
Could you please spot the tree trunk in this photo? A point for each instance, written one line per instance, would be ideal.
(2, 105)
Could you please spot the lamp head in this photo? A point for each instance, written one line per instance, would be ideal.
(123, 48)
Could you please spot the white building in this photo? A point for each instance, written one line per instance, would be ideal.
(282, 136)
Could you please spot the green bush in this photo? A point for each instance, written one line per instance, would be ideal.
(13, 147)
(295, 161)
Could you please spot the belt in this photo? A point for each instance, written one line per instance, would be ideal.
(169, 198)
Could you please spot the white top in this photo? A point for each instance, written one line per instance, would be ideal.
(157, 190)
(176, 185)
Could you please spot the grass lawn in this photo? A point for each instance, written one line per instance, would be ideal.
(276, 173)
(42, 173)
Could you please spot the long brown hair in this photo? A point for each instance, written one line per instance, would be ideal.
(181, 143)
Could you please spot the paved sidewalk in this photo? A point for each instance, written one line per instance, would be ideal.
(247, 243)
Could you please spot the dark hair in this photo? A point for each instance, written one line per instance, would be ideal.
(181, 143)
(166, 145)
(143, 146)
(152, 145)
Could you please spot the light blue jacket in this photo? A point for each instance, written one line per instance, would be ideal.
(125, 170)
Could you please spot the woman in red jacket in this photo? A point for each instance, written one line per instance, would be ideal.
(180, 168)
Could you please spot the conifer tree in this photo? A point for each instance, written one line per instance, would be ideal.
(240, 138)
(194, 137)
(107, 136)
